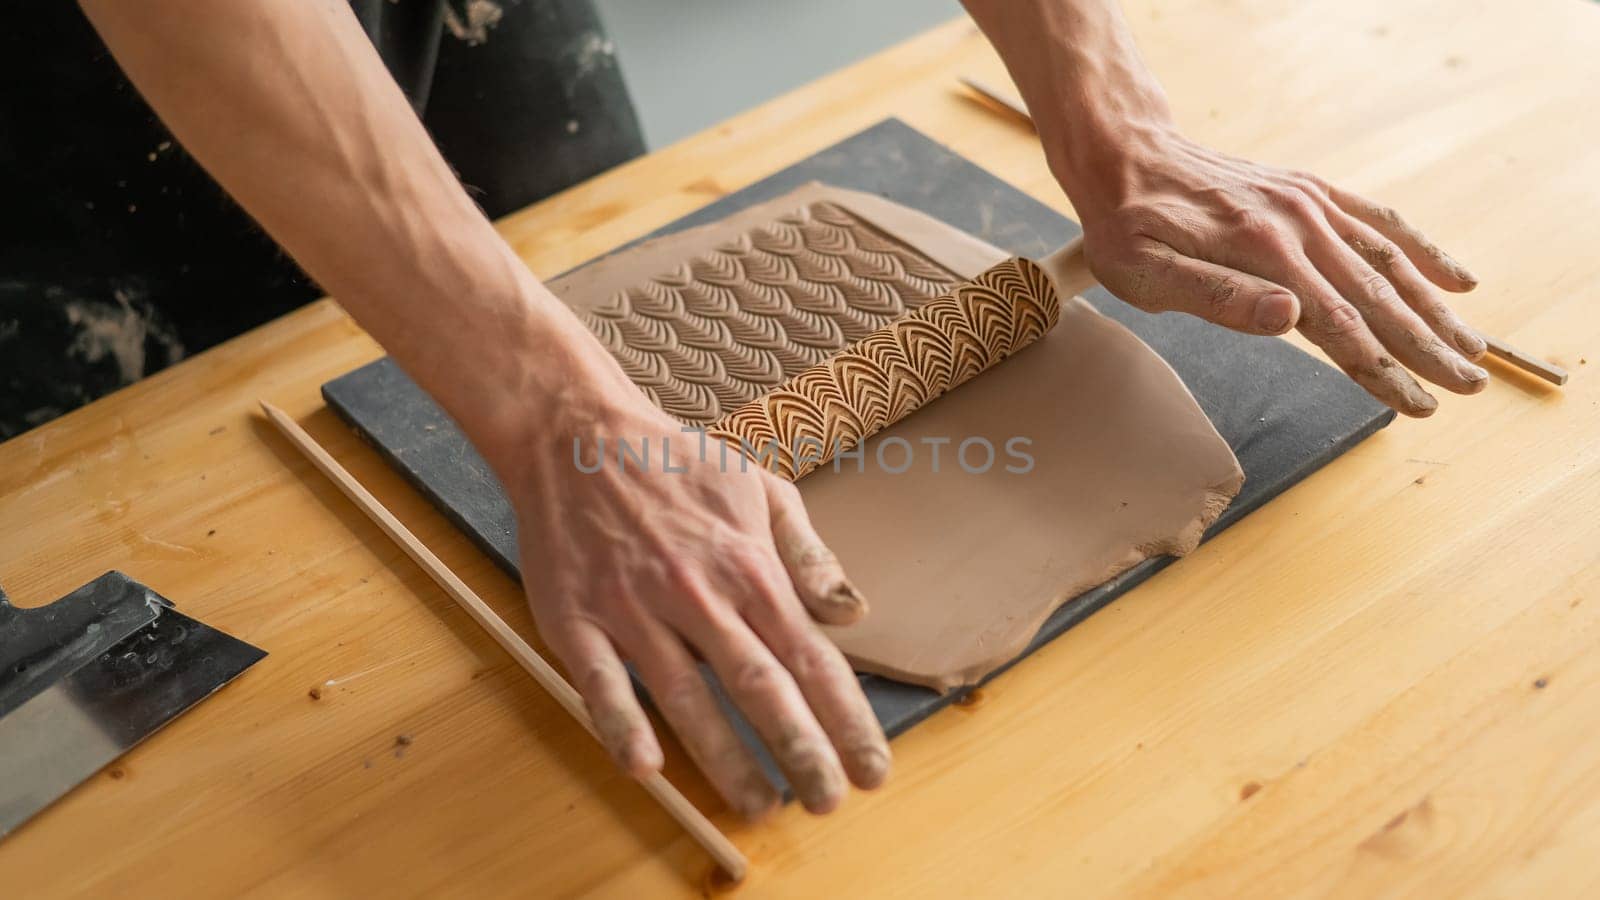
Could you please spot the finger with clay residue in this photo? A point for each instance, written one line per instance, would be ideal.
(1417, 291)
(818, 577)
(1337, 326)
(1439, 267)
(1406, 337)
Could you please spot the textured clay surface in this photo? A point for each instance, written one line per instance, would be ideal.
(894, 371)
(710, 331)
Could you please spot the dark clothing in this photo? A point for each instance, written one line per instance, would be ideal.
(119, 255)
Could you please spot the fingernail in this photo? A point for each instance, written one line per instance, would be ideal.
(816, 783)
(1462, 273)
(1468, 342)
(1470, 373)
(845, 596)
(821, 793)
(872, 766)
(1419, 403)
(1275, 313)
(754, 802)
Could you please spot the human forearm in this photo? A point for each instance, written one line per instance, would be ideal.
(290, 108)
(1091, 96)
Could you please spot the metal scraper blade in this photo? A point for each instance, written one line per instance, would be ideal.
(87, 677)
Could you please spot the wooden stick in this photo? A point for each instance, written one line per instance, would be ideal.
(1548, 371)
(677, 805)
(1005, 100)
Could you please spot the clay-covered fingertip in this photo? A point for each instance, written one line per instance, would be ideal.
(869, 767)
(842, 605)
(1474, 379)
(1417, 409)
(753, 806)
(819, 785)
(640, 761)
(821, 803)
(1471, 345)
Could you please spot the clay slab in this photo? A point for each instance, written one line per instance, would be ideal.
(961, 569)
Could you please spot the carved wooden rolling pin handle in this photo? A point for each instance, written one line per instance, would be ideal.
(678, 806)
(1068, 269)
(889, 374)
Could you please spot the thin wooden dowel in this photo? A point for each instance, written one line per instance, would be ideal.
(1003, 99)
(1525, 361)
(678, 806)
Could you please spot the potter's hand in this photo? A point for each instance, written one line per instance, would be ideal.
(661, 567)
(1263, 250)
(1170, 224)
(652, 567)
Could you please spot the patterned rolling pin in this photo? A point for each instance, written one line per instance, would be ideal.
(887, 375)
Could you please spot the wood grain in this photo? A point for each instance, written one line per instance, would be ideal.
(733, 863)
(1383, 682)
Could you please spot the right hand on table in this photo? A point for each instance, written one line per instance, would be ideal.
(1263, 250)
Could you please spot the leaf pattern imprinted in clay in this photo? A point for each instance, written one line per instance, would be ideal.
(892, 372)
(726, 327)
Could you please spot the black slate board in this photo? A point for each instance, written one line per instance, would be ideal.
(1284, 413)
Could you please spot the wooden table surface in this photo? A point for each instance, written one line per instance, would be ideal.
(1383, 682)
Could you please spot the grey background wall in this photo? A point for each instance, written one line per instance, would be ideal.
(692, 63)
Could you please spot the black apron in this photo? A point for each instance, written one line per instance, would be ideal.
(119, 255)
